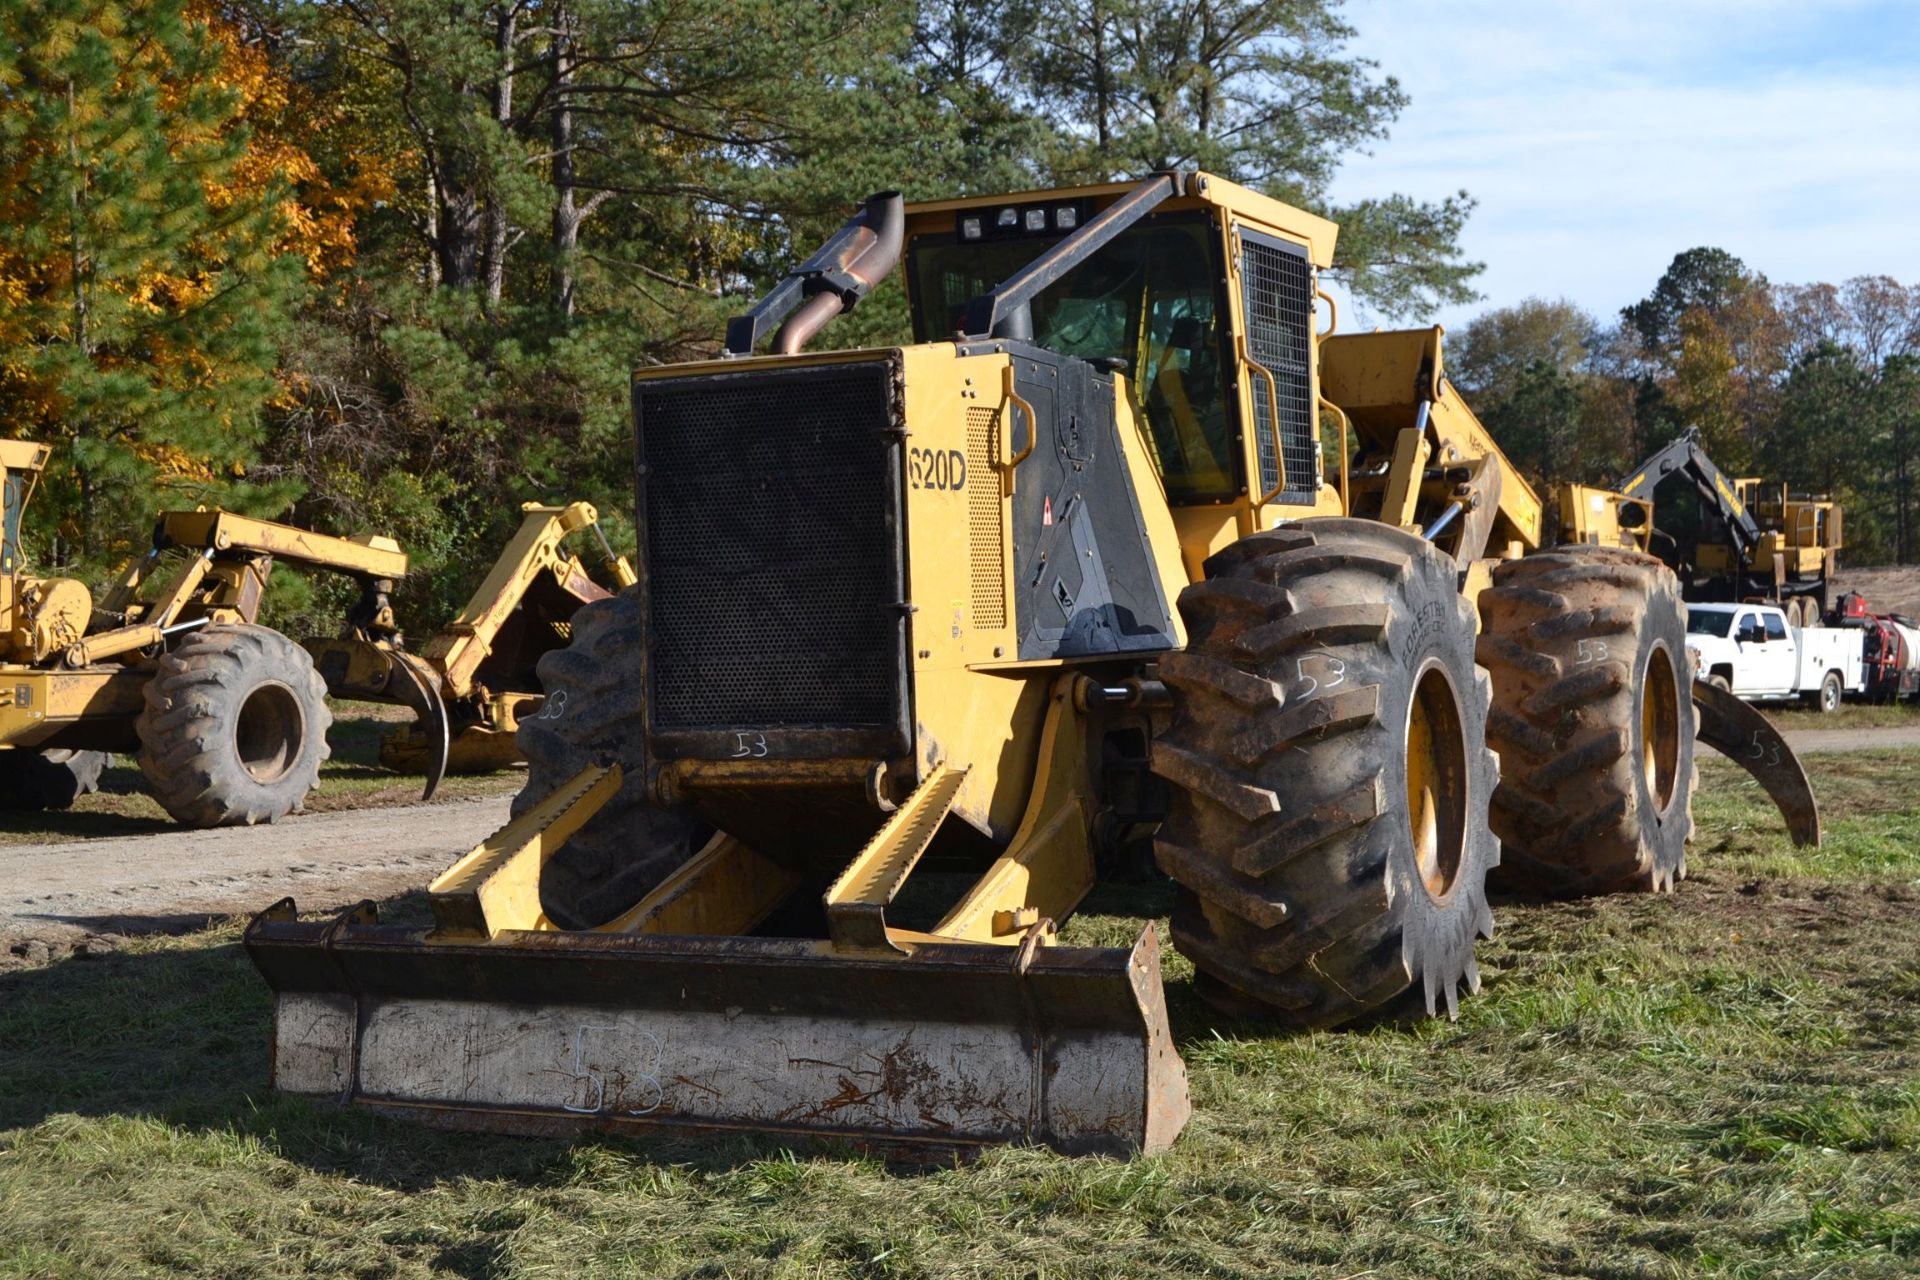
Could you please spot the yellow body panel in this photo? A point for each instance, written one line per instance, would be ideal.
(36, 706)
(1377, 378)
(373, 557)
(1602, 518)
(24, 455)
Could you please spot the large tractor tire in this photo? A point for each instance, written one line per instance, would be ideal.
(35, 781)
(235, 727)
(1593, 722)
(595, 714)
(1327, 825)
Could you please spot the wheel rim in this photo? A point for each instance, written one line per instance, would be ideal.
(1436, 781)
(270, 731)
(1660, 727)
(1830, 693)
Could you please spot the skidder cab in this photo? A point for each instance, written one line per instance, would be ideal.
(922, 634)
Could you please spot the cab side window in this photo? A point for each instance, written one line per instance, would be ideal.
(1776, 629)
(13, 497)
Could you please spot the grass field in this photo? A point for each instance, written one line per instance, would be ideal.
(352, 778)
(1720, 1082)
(1851, 715)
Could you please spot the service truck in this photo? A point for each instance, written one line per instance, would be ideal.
(1751, 650)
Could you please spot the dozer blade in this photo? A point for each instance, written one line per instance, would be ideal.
(954, 1046)
(1739, 732)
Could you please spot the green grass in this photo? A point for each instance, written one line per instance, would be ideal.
(1851, 715)
(352, 778)
(1720, 1082)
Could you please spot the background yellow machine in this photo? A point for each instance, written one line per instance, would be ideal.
(921, 631)
(228, 717)
(1755, 540)
(475, 677)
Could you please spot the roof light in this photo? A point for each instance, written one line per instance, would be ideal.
(1009, 218)
(1066, 217)
(1036, 219)
(970, 228)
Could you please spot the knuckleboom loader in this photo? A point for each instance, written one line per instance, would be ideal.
(920, 631)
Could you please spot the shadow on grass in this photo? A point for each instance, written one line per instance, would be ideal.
(84, 825)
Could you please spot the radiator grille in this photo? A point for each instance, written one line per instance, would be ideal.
(1279, 289)
(772, 549)
(986, 532)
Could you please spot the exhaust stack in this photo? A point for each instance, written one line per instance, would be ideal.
(840, 273)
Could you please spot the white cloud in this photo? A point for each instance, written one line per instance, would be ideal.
(1601, 139)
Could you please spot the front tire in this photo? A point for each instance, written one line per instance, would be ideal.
(595, 714)
(1329, 776)
(235, 727)
(1593, 722)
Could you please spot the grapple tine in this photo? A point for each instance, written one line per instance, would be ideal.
(955, 1046)
(1748, 738)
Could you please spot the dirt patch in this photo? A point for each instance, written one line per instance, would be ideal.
(1892, 589)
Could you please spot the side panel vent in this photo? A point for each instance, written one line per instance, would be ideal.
(986, 526)
(1279, 289)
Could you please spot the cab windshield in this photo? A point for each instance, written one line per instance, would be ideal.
(1149, 298)
(1709, 624)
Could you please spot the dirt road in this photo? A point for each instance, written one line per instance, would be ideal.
(60, 895)
(54, 897)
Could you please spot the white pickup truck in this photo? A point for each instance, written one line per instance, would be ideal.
(1750, 650)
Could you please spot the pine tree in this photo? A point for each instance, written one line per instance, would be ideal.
(147, 280)
(1264, 92)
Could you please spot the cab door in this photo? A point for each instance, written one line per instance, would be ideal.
(1782, 655)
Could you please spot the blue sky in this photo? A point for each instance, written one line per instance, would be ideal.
(1601, 137)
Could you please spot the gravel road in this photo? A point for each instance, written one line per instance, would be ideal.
(63, 894)
(55, 897)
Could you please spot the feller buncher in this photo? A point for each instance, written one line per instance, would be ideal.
(917, 629)
(475, 679)
(228, 718)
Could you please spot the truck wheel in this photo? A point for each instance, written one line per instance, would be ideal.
(1826, 699)
(1327, 824)
(235, 727)
(1592, 719)
(35, 781)
(595, 714)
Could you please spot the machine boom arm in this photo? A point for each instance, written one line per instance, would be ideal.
(1685, 457)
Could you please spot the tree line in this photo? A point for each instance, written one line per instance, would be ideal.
(386, 265)
(1815, 387)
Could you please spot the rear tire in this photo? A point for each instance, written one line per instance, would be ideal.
(1827, 698)
(37, 781)
(1327, 824)
(1593, 722)
(595, 715)
(235, 727)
